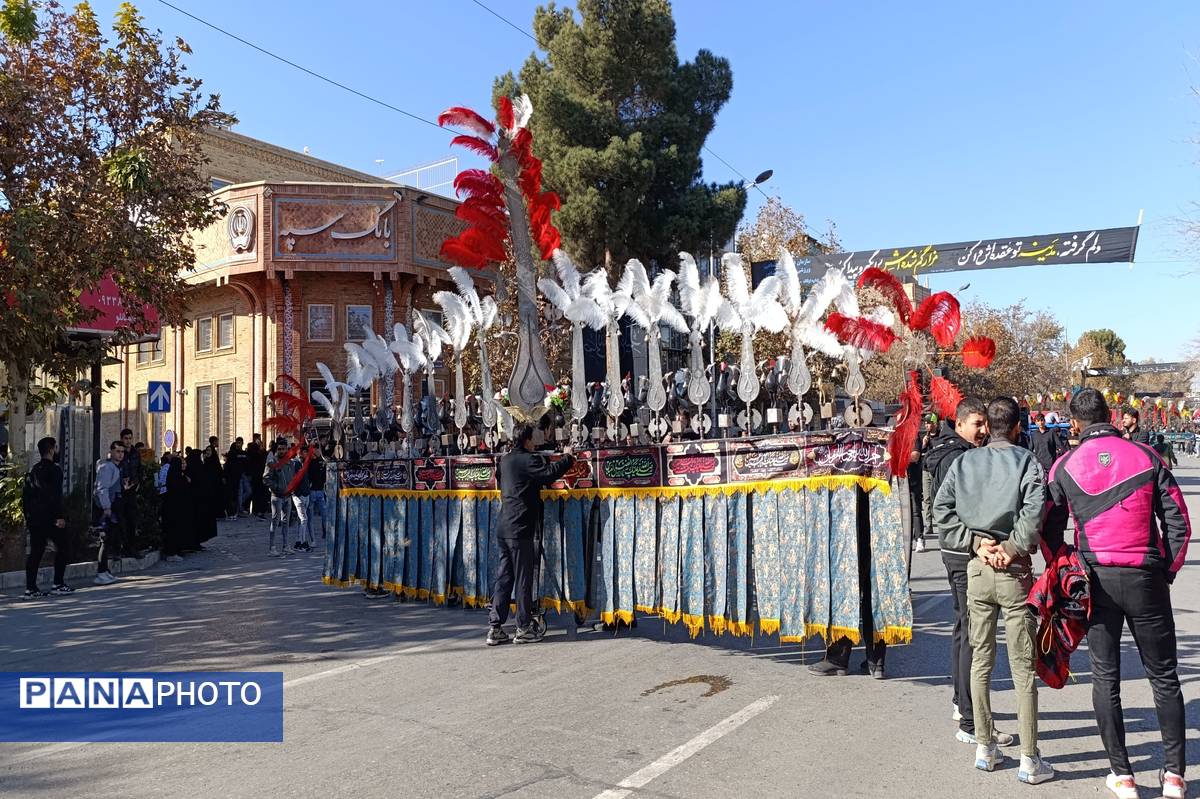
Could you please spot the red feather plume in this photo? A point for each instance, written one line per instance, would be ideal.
(477, 145)
(498, 214)
(978, 352)
(461, 117)
(485, 221)
(939, 315)
(522, 147)
(862, 333)
(886, 284)
(489, 247)
(454, 251)
(530, 180)
(944, 396)
(504, 113)
(549, 240)
(481, 184)
(908, 424)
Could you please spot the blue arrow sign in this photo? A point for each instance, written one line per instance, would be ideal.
(160, 396)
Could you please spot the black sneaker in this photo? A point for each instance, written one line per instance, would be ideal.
(496, 636)
(62, 588)
(374, 593)
(34, 594)
(527, 635)
(827, 668)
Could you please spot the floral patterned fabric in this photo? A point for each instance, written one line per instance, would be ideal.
(891, 611)
(844, 617)
(783, 561)
(715, 564)
(765, 512)
(668, 557)
(645, 556)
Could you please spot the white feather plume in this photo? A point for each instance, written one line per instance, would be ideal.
(466, 291)
(488, 312)
(361, 369)
(407, 350)
(331, 385)
(459, 323)
(737, 288)
(650, 302)
(324, 401)
(816, 337)
(431, 334)
(789, 283)
(379, 351)
(611, 303)
(689, 284)
(759, 309)
(569, 295)
(709, 304)
(522, 111)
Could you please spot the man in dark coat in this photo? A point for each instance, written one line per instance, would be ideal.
(1044, 443)
(42, 503)
(523, 473)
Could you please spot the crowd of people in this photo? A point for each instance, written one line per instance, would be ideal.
(190, 492)
(994, 495)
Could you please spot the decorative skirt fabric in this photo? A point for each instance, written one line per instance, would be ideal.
(742, 562)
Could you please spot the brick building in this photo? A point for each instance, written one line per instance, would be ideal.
(309, 256)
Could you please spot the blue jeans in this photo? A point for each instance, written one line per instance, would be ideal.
(316, 504)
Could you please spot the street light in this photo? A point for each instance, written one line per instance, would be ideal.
(762, 177)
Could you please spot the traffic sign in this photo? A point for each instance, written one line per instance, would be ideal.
(160, 396)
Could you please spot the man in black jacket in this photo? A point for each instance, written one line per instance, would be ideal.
(1044, 443)
(42, 503)
(523, 473)
(1131, 425)
(970, 431)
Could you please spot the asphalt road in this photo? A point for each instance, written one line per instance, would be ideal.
(385, 698)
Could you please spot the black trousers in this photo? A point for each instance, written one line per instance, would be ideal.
(38, 536)
(1143, 598)
(129, 523)
(838, 651)
(960, 642)
(516, 567)
(110, 544)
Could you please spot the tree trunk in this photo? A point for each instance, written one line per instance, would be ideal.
(18, 392)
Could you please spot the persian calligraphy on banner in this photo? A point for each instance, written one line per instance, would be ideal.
(391, 475)
(694, 463)
(431, 474)
(765, 459)
(473, 471)
(582, 473)
(1111, 245)
(629, 467)
(857, 452)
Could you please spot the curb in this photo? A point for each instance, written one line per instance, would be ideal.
(79, 571)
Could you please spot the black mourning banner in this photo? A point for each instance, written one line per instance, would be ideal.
(1114, 245)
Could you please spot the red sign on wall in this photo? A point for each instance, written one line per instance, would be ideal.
(111, 315)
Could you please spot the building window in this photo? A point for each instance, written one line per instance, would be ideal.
(225, 414)
(220, 183)
(225, 331)
(204, 415)
(320, 322)
(358, 322)
(150, 352)
(204, 334)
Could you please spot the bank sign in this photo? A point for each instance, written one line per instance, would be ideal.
(237, 707)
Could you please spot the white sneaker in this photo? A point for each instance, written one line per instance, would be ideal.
(1173, 785)
(988, 757)
(956, 715)
(1123, 786)
(273, 552)
(920, 544)
(1034, 770)
(1002, 738)
(104, 578)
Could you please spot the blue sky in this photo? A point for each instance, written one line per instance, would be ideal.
(903, 123)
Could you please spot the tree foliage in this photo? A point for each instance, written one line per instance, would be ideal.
(100, 173)
(620, 123)
(1031, 352)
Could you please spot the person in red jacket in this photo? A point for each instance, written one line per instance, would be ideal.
(1132, 531)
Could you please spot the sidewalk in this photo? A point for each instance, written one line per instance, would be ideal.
(239, 540)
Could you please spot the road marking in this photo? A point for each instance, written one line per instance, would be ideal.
(54, 749)
(927, 604)
(676, 756)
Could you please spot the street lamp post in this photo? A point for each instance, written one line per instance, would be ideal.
(762, 177)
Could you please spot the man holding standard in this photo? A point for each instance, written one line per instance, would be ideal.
(990, 505)
(523, 475)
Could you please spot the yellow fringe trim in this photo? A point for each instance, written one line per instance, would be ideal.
(717, 624)
(670, 616)
(893, 635)
(831, 482)
(645, 609)
(768, 626)
(694, 624)
(845, 632)
(617, 616)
